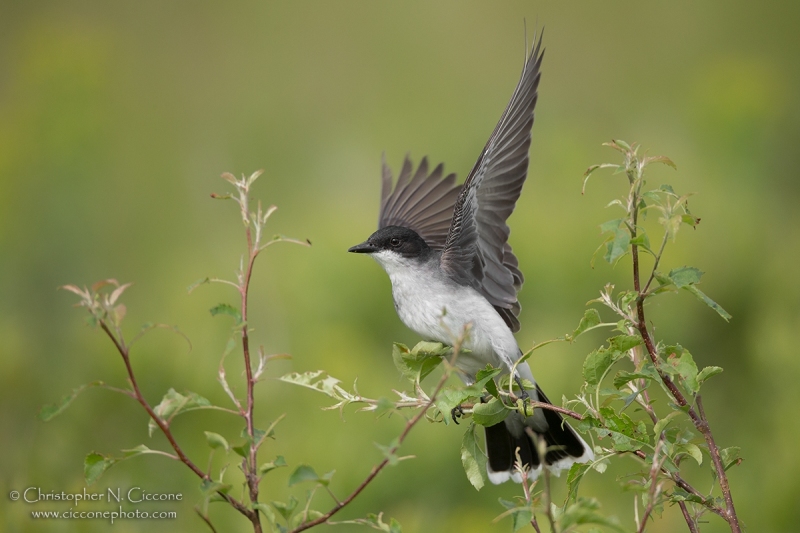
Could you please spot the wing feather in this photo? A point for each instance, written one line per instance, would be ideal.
(476, 250)
(423, 203)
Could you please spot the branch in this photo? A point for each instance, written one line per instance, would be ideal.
(380, 466)
(162, 425)
(699, 420)
(251, 462)
(689, 520)
(680, 482)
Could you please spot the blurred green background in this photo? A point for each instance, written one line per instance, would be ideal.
(116, 120)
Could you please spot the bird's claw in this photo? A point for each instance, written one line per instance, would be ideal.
(456, 413)
(524, 396)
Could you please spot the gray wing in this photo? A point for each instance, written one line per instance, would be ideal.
(423, 203)
(476, 251)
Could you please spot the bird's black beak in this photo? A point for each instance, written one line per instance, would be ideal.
(363, 248)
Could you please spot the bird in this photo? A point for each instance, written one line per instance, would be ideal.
(445, 249)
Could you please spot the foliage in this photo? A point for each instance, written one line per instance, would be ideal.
(630, 369)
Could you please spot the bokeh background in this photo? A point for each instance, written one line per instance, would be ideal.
(116, 120)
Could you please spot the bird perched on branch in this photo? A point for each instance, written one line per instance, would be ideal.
(445, 249)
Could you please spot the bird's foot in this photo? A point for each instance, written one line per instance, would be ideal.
(523, 395)
(456, 413)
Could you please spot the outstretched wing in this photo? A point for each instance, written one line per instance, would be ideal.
(423, 203)
(476, 251)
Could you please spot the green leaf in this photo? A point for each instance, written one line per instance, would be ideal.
(394, 526)
(625, 434)
(48, 412)
(417, 363)
(197, 283)
(624, 377)
(730, 456)
(507, 504)
(174, 403)
(241, 450)
(700, 295)
(449, 398)
(618, 245)
(584, 511)
(473, 459)
(215, 440)
(685, 276)
(641, 240)
(431, 348)
(574, 477)
(625, 299)
(664, 422)
(691, 450)
(227, 309)
(258, 434)
(662, 159)
(687, 369)
(303, 473)
(209, 487)
(490, 413)
(610, 226)
(140, 450)
(691, 220)
(267, 511)
(491, 386)
(590, 320)
(272, 465)
(384, 406)
(596, 365)
(286, 509)
(376, 522)
(618, 145)
(521, 518)
(94, 465)
(317, 380)
(623, 343)
(680, 495)
(390, 451)
(706, 373)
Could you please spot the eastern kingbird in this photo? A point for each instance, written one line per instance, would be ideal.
(445, 248)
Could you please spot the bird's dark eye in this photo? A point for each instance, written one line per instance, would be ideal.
(395, 242)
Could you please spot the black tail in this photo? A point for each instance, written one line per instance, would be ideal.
(564, 446)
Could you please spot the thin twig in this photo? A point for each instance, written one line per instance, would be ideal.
(689, 520)
(540, 405)
(526, 490)
(251, 463)
(206, 520)
(541, 449)
(656, 262)
(162, 425)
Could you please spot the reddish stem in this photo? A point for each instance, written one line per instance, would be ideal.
(164, 427)
(699, 421)
(689, 520)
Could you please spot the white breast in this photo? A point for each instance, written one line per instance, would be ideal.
(438, 309)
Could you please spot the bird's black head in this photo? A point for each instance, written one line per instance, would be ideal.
(402, 241)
